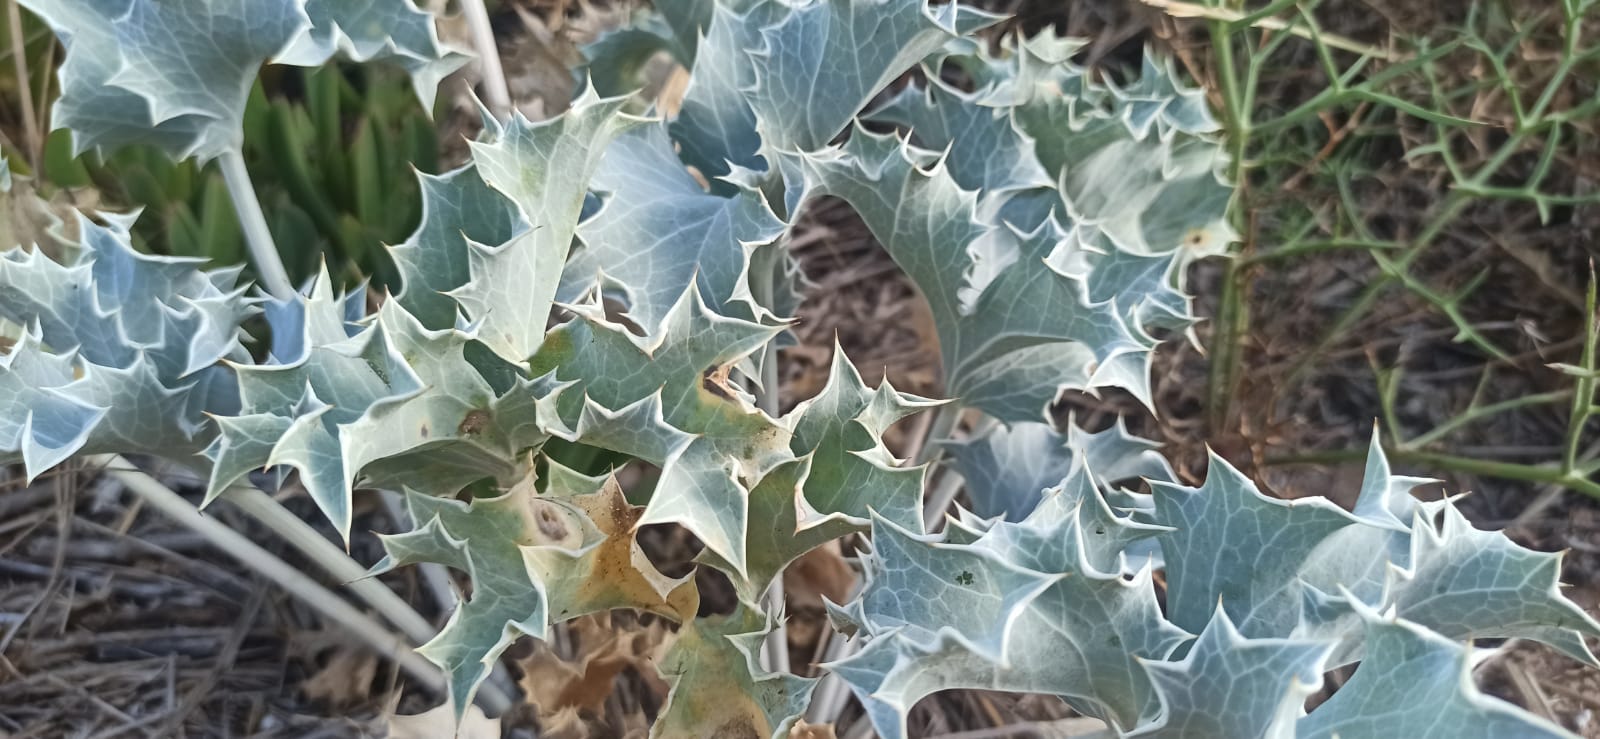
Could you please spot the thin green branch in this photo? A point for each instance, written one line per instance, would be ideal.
(1503, 470)
(1583, 392)
(1479, 412)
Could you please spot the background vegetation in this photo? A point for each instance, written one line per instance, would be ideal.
(1419, 198)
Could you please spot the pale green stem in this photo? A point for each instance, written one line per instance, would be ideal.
(495, 90)
(944, 423)
(361, 627)
(775, 650)
(19, 60)
(300, 535)
(263, 252)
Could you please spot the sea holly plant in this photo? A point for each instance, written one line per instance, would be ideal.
(619, 280)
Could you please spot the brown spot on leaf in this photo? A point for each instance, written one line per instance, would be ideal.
(550, 523)
(474, 422)
(424, 431)
(738, 728)
(715, 381)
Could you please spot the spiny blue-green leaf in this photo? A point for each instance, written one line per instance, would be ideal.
(114, 304)
(1072, 528)
(376, 30)
(842, 430)
(333, 385)
(1230, 686)
(119, 350)
(820, 62)
(531, 558)
(843, 474)
(390, 402)
(170, 73)
(457, 428)
(1013, 331)
(1230, 543)
(615, 62)
(176, 73)
(715, 126)
(1008, 468)
(1081, 637)
(928, 587)
(658, 231)
(1026, 67)
(719, 687)
(1464, 583)
(1139, 162)
(988, 151)
(1140, 266)
(458, 209)
(666, 398)
(1305, 568)
(1416, 683)
(783, 526)
(773, 76)
(41, 422)
(544, 168)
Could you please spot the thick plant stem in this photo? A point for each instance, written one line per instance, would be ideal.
(301, 536)
(361, 627)
(775, 649)
(944, 424)
(495, 91)
(263, 252)
(19, 61)
(1233, 316)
